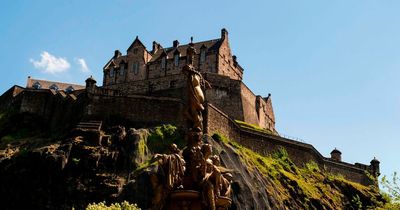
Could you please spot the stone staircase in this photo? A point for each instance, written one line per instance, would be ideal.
(90, 126)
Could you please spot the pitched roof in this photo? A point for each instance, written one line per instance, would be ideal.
(210, 45)
(137, 40)
(45, 84)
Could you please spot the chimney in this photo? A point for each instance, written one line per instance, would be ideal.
(224, 33)
(234, 60)
(117, 53)
(156, 47)
(175, 44)
(336, 155)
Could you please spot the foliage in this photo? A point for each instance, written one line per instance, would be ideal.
(312, 186)
(356, 202)
(253, 127)
(163, 136)
(312, 167)
(116, 206)
(391, 189)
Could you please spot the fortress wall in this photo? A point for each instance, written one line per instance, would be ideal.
(9, 99)
(300, 153)
(225, 94)
(136, 109)
(249, 106)
(349, 171)
(147, 86)
(58, 110)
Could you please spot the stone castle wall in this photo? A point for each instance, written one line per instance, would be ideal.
(137, 110)
(300, 153)
(106, 104)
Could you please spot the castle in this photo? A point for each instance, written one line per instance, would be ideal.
(146, 88)
(158, 73)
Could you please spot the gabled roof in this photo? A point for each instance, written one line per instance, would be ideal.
(136, 41)
(116, 62)
(210, 45)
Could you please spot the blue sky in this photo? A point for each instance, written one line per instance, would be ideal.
(332, 67)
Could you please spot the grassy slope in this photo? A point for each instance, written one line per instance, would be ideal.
(308, 187)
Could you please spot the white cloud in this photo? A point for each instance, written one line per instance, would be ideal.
(50, 63)
(82, 63)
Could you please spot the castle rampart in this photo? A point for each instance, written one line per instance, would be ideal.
(299, 152)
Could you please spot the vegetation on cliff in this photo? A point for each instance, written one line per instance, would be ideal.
(308, 187)
(74, 171)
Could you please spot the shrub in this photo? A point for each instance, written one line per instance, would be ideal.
(115, 206)
(163, 136)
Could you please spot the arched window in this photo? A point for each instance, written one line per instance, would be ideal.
(53, 87)
(37, 85)
(69, 89)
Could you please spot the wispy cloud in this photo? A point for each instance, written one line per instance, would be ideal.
(82, 63)
(50, 63)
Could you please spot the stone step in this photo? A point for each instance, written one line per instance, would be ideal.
(90, 125)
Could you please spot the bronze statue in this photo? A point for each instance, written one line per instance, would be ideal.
(194, 175)
(195, 82)
(172, 169)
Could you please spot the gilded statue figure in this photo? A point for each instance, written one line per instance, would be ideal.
(195, 82)
(172, 168)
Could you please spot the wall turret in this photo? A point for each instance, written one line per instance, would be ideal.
(336, 155)
(90, 84)
(374, 167)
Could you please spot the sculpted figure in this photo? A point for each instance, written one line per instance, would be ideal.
(172, 170)
(224, 177)
(195, 97)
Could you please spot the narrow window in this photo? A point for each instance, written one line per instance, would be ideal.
(122, 70)
(202, 56)
(135, 51)
(112, 72)
(135, 68)
(163, 62)
(176, 60)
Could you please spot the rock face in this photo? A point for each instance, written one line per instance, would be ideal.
(40, 173)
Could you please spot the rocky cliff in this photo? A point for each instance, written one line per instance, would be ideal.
(39, 170)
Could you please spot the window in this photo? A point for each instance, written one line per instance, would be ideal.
(135, 68)
(176, 60)
(163, 62)
(202, 56)
(53, 87)
(112, 72)
(135, 51)
(37, 85)
(69, 89)
(172, 84)
(122, 70)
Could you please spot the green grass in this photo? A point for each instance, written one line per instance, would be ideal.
(253, 127)
(161, 137)
(309, 183)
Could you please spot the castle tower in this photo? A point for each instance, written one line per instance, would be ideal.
(336, 155)
(375, 170)
(90, 84)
